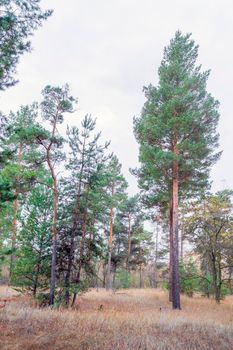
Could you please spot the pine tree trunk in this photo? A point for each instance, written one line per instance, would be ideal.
(109, 281)
(175, 233)
(170, 250)
(54, 243)
(81, 256)
(129, 242)
(68, 272)
(74, 232)
(229, 279)
(181, 245)
(156, 256)
(15, 211)
(140, 275)
(14, 229)
(72, 249)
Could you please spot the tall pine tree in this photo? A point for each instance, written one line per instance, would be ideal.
(177, 136)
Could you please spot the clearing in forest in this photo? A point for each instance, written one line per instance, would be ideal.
(128, 319)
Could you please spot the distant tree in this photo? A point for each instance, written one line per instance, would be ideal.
(115, 189)
(84, 188)
(209, 226)
(177, 137)
(141, 247)
(31, 272)
(56, 102)
(22, 167)
(189, 278)
(18, 20)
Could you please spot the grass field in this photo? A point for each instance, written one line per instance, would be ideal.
(129, 319)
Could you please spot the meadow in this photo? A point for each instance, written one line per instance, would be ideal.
(128, 319)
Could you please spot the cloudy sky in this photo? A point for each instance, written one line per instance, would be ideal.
(107, 50)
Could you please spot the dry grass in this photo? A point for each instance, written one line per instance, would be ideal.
(129, 319)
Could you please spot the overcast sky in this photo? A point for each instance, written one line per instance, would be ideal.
(107, 50)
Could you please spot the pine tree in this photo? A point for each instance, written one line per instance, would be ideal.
(115, 190)
(22, 168)
(57, 101)
(177, 136)
(18, 20)
(31, 272)
(209, 227)
(84, 188)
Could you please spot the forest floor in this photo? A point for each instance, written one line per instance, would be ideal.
(128, 319)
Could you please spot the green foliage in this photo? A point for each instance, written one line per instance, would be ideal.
(31, 270)
(209, 226)
(189, 278)
(6, 192)
(123, 279)
(178, 113)
(208, 288)
(18, 20)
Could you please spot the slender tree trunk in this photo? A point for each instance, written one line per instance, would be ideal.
(38, 268)
(74, 229)
(35, 284)
(14, 230)
(68, 272)
(181, 245)
(129, 243)
(140, 275)
(229, 279)
(175, 232)
(15, 212)
(72, 250)
(54, 243)
(156, 254)
(81, 256)
(109, 281)
(170, 250)
(217, 278)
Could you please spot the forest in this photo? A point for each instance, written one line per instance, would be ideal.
(75, 244)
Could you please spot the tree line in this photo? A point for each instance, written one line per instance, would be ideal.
(67, 222)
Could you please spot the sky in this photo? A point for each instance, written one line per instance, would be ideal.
(107, 50)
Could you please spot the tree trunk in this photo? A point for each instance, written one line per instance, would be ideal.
(14, 229)
(81, 256)
(216, 278)
(181, 245)
(229, 279)
(72, 250)
(129, 242)
(54, 242)
(156, 255)
(15, 211)
(170, 250)
(140, 276)
(175, 232)
(68, 272)
(109, 281)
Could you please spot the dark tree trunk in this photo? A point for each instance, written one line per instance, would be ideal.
(175, 232)
(140, 273)
(230, 280)
(15, 211)
(170, 250)
(81, 257)
(155, 282)
(217, 278)
(13, 238)
(109, 277)
(129, 243)
(54, 238)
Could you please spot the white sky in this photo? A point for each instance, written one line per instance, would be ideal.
(107, 50)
